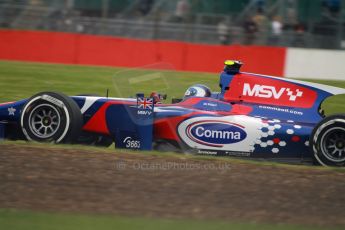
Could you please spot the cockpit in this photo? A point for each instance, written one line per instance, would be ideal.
(231, 68)
(199, 90)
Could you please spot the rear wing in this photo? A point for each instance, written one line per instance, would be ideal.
(274, 91)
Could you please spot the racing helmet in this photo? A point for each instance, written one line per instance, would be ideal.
(197, 90)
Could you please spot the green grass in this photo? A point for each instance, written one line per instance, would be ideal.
(18, 220)
(20, 80)
(333, 104)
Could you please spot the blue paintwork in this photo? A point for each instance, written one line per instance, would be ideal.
(127, 125)
(224, 82)
(4, 113)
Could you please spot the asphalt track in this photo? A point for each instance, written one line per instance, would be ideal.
(92, 181)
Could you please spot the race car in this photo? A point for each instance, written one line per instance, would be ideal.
(253, 115)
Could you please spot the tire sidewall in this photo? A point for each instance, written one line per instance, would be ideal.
(70, 120)
(319, 132)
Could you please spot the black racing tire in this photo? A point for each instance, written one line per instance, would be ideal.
(327, 141)
(51, 117)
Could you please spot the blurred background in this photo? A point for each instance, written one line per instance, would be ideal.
(292, 23)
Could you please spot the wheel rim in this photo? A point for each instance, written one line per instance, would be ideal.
(333, 144)
(44, 121)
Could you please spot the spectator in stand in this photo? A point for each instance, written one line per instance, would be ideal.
(299, 36)
(223, 32)
(260, 4)
(276, 30)
(290, 19)
(35, 2)
(250, 30)
(182, 10)
(262, 23)
(145, 6)
(333, 6)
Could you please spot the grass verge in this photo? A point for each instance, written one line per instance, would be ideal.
(28, 220)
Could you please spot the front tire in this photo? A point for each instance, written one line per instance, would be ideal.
(328, 141)
(51, 117)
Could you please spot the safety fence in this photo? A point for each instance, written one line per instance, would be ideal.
(72, 48)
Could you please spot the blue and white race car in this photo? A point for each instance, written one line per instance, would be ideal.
(253, 115)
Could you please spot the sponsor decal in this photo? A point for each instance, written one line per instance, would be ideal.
(265, 91)
(131, 144)
(145, 103)
(145, 106)
(215, 133)
(210, 104)
(144, 112)
(270, 91)
(53, 100)
(11, 111)
(237, 154)
(281, 110)
(207, 152)
(223, 153)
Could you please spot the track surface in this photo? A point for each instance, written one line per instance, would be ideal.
(83, 181)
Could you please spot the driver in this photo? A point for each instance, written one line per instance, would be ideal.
(197, 90)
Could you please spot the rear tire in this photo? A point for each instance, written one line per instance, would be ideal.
(328, 141)
(51, 117)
